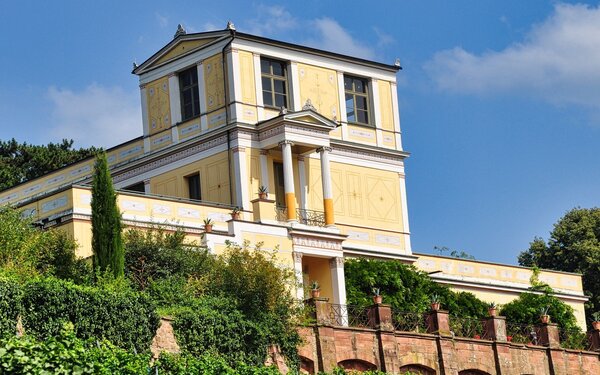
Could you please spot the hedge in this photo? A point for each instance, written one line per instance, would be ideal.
(10, 306)
(127, 319)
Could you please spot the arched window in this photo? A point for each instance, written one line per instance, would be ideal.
(357, 364)
(307, 366)
(417, 369)
(472, 372)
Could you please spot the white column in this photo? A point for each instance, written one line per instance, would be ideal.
(338, 283)
(288, 180)
(326, 182)
(235, 84)
(396, 116)
(294, 82)
(264, 169)
(403, 199)
(202, 96)
(241, 178)
(302, 183)
(376, 121)
(174, 106)
(147, 186)
(343, 114)
(299, 277)
(260, 105)
(145, 121)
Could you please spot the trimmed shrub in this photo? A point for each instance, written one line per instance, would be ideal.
(405, 288)
(526, 310)
(10, 306)
(126, 318)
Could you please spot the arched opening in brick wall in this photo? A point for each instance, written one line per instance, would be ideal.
(307, 366)
(417, 369)
(357, 364)
(472, 372)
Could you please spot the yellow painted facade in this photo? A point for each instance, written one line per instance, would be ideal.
(159, 111)
(364, 170)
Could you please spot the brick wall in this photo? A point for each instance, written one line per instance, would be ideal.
(327, 345)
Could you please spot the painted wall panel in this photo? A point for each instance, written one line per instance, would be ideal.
(159, 113)
(214, 89)
(321, 87)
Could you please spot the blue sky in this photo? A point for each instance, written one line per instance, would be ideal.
(499, 100)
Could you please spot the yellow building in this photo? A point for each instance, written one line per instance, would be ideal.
(226, 113)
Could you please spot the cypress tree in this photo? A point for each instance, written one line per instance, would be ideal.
(107, 243)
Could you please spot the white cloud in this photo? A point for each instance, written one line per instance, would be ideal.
(331, 36)
(557, 61)
(163, 21)
(271, 20)
(95, 116)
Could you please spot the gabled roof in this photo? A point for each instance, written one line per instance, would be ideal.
(183, 44)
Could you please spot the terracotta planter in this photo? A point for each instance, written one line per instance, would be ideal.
(377, 300)
(235, 216)
(509, 338)
(435, 306)
(263, 195)
(315, 293)
(208, 228)
(596, 325)
(492, 311)
(545, 319)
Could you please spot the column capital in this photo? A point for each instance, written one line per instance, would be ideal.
(238, 149)
(286, 142)
(142, 86)
(172, 75)
(264, 152)
(200, 62)
(300, 157)
(336, 262)
(324, 149)
(297, 257)
(147, 181)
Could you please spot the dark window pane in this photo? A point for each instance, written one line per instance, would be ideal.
(361, 102)
(280, 101)
(267, 98)
(278, 68)
(347, 83)
(363, 117)
(279, 86)
(359, 86)
(266, 84)
(194, 186)
(265, 66)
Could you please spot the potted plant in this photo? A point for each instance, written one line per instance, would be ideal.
(235, 213)
(377, 298)
(208, 225)
(262, 192)
(544, 317)
(315, 289)
(435, 302)
(596, 320)
(492, 306)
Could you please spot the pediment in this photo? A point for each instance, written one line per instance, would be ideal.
(311, 117)
(182, 48)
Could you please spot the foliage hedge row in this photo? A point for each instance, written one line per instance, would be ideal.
(128, 319)
(405, 287)
(67, 354)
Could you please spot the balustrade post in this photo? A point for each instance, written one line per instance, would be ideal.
(594, 338)
(321, 310)
(548, 335)
(438, 321)
(495, 328)
(380, 317)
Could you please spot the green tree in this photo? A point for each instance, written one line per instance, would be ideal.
(20, 162)
(573, 246)
(526, 310)
(405, 288)
(107, 242)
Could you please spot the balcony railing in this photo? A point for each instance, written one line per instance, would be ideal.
(311, 217)
(521, 333)
(410, 322)
(306, 217)
(349, 316)
(467, 327)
